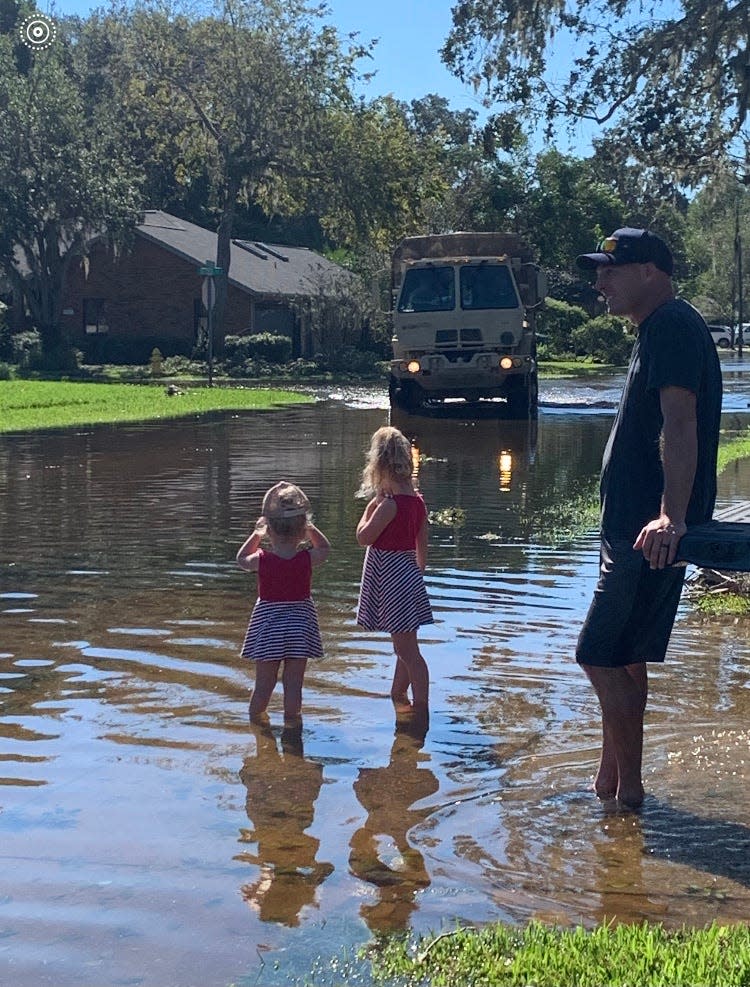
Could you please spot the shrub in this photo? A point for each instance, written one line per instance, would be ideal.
(237, 350)
(5, 372)
(556, 325)
(605, 339)
(349, 359)
(60, 360)
(25, 347)
(270, 348)
(176, 366)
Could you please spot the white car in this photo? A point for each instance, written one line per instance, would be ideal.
(721, 335)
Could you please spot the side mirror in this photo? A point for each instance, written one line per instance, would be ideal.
(532, 285)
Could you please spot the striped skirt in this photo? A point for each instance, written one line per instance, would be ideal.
(283, 630)
(392, 595)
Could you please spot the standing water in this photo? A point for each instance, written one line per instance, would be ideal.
(149, 836)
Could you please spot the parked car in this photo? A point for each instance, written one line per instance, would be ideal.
(721, 335)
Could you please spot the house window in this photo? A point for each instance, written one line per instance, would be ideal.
(94, 319)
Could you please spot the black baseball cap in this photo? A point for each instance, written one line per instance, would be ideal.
(630, 246)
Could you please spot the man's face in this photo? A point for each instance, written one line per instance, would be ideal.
(623, 286)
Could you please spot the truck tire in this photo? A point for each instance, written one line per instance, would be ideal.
(406, 395)
(523, 397)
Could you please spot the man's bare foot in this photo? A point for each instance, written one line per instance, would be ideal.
(605, 794)
(630, 802)
(605, 784)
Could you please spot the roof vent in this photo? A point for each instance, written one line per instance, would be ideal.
(271, 251)
(251, 248)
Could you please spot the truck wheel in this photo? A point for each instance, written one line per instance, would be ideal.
(523, 398)
(405, 395)
(533, 395)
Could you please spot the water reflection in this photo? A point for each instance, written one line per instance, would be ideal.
(123, 708)
(282, 787)
(382, 853)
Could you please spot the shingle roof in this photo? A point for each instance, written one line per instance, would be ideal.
(255, 267)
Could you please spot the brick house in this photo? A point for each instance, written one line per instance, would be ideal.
(152, 293)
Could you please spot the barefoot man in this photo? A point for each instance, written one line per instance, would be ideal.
(658, 476)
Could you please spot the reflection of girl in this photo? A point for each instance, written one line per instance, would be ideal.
(381, 851)
(281, 791)
(284, 623)
(392, 596)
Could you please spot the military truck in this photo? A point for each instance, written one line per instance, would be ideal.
(463, 311)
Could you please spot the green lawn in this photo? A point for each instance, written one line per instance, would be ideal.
(643, 955)
(27, 405)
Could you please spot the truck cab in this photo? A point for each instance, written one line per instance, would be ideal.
(463, 321)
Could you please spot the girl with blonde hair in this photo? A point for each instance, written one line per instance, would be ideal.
(393, 596)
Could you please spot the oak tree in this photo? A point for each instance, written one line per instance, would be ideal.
(669, 79)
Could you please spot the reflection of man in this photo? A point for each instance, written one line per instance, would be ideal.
(381, 853)
(281, 790)
(658, 476)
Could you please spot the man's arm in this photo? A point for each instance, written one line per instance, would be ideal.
(660, 538)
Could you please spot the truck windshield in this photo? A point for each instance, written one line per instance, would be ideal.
(487, 286)
(428, 289)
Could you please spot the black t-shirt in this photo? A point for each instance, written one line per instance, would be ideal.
(673, 349)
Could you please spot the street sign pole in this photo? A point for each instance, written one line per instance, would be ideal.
(208, 272)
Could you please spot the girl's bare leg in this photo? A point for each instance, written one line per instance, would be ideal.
(266, 675)
(400, 687)
(292, 678)
(407, 649)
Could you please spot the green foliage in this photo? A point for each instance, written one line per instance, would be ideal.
(619, 956)
(724, 605)
(54, 360)
(237, 349)
(268, 347)
(557, 322)
(5, 372)
(183, 366)
(733, 448)
(567, 519)
(671, 87)
(605, 339)
(717, 213)
(568, 206)
(25, 348)
(63, 170)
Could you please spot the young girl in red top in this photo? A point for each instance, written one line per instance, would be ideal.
(284, 623)
(393, 596)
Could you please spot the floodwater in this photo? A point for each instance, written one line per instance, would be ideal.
(150, 837)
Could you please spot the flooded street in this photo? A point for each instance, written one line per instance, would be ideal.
(150, 837)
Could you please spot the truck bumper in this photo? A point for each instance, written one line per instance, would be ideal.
(480, 377)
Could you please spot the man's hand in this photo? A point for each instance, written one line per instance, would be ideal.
(659, 541)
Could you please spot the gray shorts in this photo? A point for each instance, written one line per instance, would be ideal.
(631, 616)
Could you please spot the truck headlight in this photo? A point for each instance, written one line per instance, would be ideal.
(506, 363)
(413, 366)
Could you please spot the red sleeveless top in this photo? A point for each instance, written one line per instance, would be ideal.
(283, 580)
(401, 533)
